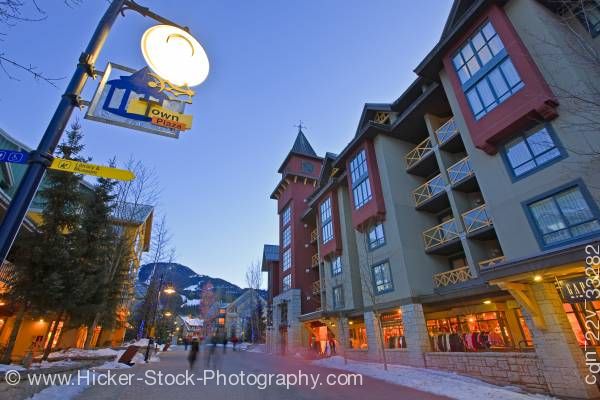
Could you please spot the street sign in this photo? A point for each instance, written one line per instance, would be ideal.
(12, 156)
(77, 167)
(128, 98)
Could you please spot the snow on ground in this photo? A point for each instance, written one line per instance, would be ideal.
(60, 392)
(259, 348)
(81, 353)
(433, 381)
(11, 367)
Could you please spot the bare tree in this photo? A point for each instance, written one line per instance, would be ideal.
(254, 282)
(368, 287)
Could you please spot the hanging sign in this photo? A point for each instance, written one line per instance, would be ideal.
(140, 100)
(12, 156)
(77, 167)
(578, 290)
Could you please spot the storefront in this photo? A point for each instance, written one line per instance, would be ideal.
(580, 311)
(393, 330)
(490, 327)
(357, 333)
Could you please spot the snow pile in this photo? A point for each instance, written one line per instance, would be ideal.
(191, 288)
(81, 353)
(11, 367)
(141, 342)
(437, 382)
(259, 348)
(190, 303)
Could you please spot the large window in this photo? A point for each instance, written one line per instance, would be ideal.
(564, 216)
(336, 266)
(286, 282)
(338, 297)
(287, 236)
(287, 259)
(376, 237)
(382, 278)
(359, 174)
(286, 216)
(487, 74)
(326, 221)
(528, 152)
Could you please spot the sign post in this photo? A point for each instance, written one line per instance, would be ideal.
(77, 167)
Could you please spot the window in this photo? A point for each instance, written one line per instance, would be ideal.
(326, 221)
(338, 297)
(286, 216)
(336, 266)
(528, 152)
(359, 174)
(382, 278)
(287, 259)
(486, 72)
(287, 282)
(287, 236)
(563, 216)
(587, 12)
(376, 237)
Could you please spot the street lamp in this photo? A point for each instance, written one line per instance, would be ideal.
(175, 55)
(183, 55)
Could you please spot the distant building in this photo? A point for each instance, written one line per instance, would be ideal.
(240, 311)
(189, 327)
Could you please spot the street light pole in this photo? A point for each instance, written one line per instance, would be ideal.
(41, 158)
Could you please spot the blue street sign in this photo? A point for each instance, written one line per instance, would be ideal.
(11, 156)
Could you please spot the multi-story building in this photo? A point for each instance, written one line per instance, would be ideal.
(455, 227)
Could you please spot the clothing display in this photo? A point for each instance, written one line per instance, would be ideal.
(396, 342)
(473, 341)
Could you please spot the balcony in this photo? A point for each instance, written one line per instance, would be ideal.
(448, 138)
(431, 196)
(420, 160)
(462, 177)
(478, 223)
(316, 288)
(314, 235)
(452, 277)
(315, 261)
(491, 263)
(442, 238)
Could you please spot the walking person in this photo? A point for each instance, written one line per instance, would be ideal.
(234, 340)
(211, 351)
(224, 341)
(195, 347)
(332, 345)
(150, 346)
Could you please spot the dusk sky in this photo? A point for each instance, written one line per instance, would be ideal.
(272, 63)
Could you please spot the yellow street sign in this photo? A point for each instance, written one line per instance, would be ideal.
(160, 115)
(77, 167)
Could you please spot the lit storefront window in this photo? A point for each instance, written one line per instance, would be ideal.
(357, 334)
(393, 330)
(486, 331)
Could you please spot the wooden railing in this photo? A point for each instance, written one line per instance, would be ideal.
(420, 151)
(452, 277)
(382, 117)
(460, 171)
(440, 234)
(446, 131)
(314, 235)
(316, 288)
(315, 260)
(477, 218)
(491, 263)
(429, 189)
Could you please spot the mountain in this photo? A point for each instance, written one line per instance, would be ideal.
(187, 284)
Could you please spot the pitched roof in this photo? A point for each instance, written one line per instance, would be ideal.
(132, 213)
(302, 146)
(270, 254)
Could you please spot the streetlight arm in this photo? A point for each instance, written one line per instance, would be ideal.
(145, 11)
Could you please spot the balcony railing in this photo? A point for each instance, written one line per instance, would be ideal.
(491, 263)
(446, 131)
(452, 277)
(313, 236)
(316, 288)
(428, 189)
(315, 260)
(440, 234)
(477, 218)
(460, 171)
(420, 151)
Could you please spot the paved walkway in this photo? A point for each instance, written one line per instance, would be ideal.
(175, 362)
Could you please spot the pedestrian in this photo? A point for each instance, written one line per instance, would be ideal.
(195, 347)
(224, 342)
(234, 340)
(332, 345)
(150, 345)
(211, 351)
(185, 343)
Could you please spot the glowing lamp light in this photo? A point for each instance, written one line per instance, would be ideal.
(537, 278)
(487, 302)
(175, 55)
(169, 290)
(2, 303)
(168, 314)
